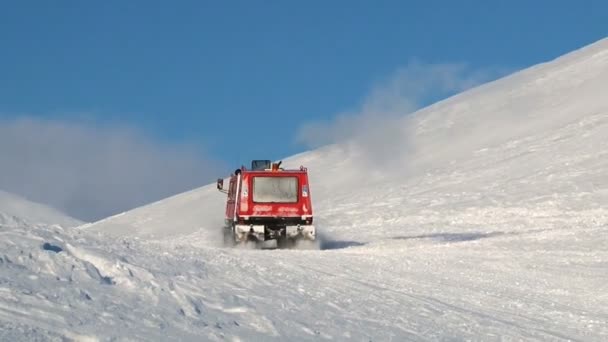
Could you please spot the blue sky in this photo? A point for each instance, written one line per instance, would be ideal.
(238, 80)
(189, 70)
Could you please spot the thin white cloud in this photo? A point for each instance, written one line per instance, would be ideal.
(91, 170)
(376, 129)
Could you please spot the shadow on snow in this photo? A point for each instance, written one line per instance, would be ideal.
(451, 237)
(334, 244)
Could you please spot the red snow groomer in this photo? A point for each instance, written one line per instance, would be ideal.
(268, 202)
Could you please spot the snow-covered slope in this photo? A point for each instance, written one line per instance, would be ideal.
(488, 224)
(16, 210)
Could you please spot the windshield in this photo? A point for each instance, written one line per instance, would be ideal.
(275, 189)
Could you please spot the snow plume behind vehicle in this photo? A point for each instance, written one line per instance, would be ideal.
(377, 132)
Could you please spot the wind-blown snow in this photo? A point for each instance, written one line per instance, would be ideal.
(490, 226)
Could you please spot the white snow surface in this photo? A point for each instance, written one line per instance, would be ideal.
(16, 210)
(490, 225)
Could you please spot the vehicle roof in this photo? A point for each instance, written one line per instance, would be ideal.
(274, 173)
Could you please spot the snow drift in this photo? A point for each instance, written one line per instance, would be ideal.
(17, 210)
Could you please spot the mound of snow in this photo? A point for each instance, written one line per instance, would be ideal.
(15, 210)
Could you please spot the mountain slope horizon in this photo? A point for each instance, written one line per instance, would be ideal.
(473, 124)
(14, 208)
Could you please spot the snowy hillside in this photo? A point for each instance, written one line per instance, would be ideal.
(488, 223)
(15, 210)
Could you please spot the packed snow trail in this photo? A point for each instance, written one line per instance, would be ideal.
(491, 227)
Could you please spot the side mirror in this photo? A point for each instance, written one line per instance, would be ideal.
(220, 184)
